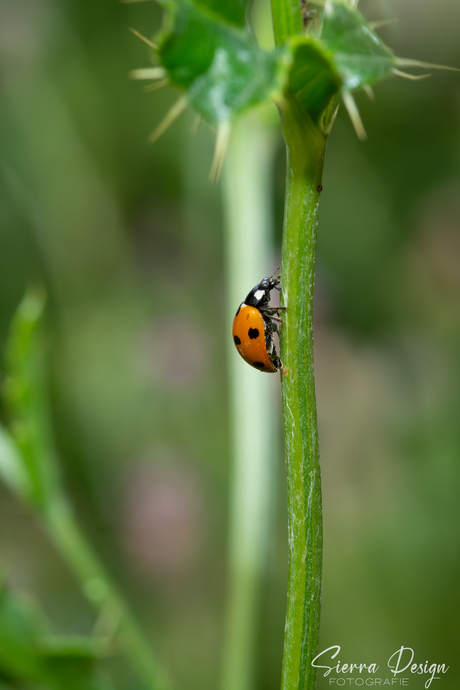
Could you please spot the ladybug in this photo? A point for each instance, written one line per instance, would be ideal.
(254, 324)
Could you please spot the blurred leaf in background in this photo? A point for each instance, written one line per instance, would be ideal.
(30, 656)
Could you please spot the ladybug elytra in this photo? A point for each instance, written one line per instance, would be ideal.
(255, 323)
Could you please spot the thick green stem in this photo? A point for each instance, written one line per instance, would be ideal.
(305, 146)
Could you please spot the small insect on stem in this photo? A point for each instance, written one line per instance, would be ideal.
(308, 15)
(255, 323)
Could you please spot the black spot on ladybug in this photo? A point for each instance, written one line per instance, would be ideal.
(319, 188)
(259, 365)
(253, 333)
(236, 340)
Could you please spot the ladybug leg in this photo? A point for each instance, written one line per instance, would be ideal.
(273, 313)
(272, 310)
(279, 365)
(308, 15)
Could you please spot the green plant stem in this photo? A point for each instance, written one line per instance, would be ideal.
(287, 20)
(115, 617)
(246, 188)
(305, 146)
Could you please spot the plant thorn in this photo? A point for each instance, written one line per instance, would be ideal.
(222, 139)
(406, 75)
(148, 73)
(369, 92)
(404, 62)
(327, 128)
(153, 87)
(172, 115)
(353, 112)
(144, 39)
(381, 22)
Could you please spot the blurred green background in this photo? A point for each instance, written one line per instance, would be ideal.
(127, 240)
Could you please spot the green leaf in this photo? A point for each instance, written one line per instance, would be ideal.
(30, 654)
(347, 56)
(224, 72)
(358, 54)
(210, 53)
(70, 663)
(312, 79)
(27, 407)
(221, 68)
(20, 627)
(231, 11)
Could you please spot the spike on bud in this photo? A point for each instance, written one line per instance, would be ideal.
(369, 92)
(406, 75)
(145, 40)
(222, 139)
(353, 112)
(172, 115)
(154, 87)
(148, 73)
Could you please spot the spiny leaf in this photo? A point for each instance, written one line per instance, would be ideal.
(358, 54)
(224, 72)
(221, 68)
(209, 52)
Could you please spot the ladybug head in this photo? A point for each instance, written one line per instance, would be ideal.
(270, 283)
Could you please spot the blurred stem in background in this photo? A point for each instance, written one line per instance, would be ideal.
(29, 465)
(115, 619)
(247, 200)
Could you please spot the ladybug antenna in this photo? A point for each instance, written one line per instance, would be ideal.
(275, 279)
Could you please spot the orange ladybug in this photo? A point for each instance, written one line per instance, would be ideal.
(254, 325)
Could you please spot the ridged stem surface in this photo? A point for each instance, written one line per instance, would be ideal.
(305, 146)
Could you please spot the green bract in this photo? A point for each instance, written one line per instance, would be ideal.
(356, 52)
(208, 50)
(222, 69)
